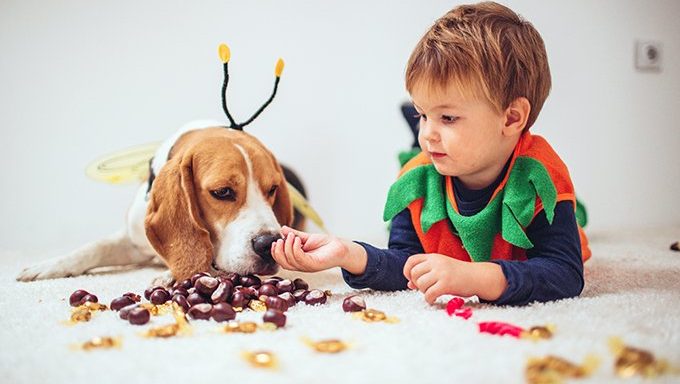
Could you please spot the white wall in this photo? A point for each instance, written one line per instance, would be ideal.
(79, 79)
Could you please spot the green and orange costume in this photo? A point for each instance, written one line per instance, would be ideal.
(536, 181)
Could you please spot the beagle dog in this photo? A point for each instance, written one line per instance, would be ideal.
(215, 201)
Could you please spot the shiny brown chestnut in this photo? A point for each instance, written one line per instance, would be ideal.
(250, 280)
(222, 312)
(239, 300)
(139, 316)
(200, 311)
(179, 291)
(159, 296)
(234, 277)
(197, 276)
(289, 298)
(195, 298)
(186, 284)
(285, 285)
(315, 297)
(353, 303)
(221, 293)
(275, 317)
(275, 302)
(300, 284)
(272, 280)
(91, 298)
(76, 297)
(267, 290)
(149, 291)
(120, 302)
(206, 285)
(182, 302)
(135, 297)
(125, 311)
(299, 294)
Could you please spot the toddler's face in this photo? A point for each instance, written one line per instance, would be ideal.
(462, 135)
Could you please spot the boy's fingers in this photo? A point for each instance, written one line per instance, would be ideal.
(410, 263)
(425, 281)
(298, 255)
(285, 230)
(417, 271)
(433, 293)
(287, 245)
(277, 254)
(410, 285)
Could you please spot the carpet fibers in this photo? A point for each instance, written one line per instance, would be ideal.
(632, 291)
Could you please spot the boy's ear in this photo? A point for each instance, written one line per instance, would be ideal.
(516, 116)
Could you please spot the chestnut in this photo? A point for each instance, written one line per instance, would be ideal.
(222, 312)
(200, 311)
(125, 311)
(139, 316)
(274, 316)
(285, 286)
(195, 298)
(149, 291)
(250, 280)
(179, 291)
(120, 302)
(159, 296)
(206, 285)
(315, 297)
(186, 284)
(300, 284)
(353, 303)
(267, 290)
(289, 298)
(182, 302)
(76, 297)
(300, 294)
(239, 300)
(197, 276)
(275, 302)
(221, 293)
(90, 297)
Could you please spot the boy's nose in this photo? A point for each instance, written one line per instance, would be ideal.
(427, 132)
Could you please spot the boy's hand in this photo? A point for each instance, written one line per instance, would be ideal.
(434, 275)
(302, 251)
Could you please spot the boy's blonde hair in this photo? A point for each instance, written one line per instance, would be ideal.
(484, 48)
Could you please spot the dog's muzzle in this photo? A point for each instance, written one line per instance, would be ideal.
(262, 245)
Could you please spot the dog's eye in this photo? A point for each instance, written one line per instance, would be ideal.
(273, 190)
(225, 193)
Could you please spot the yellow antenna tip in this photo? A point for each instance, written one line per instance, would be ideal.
(225, 53)
(279, 68)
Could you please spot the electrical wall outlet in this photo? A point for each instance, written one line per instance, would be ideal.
(648, 55)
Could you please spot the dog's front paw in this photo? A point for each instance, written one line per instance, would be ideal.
(50, 269)
(164, 280)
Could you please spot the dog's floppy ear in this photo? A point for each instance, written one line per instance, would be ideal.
(173, 221)
(283, 206)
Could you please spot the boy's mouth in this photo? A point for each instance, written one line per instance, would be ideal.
(437, 155)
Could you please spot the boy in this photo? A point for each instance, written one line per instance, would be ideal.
(487, 208)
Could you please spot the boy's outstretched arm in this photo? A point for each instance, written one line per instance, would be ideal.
(302, 251)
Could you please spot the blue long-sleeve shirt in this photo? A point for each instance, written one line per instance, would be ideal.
(553, 269)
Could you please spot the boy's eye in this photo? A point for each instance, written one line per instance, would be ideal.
(449, 119)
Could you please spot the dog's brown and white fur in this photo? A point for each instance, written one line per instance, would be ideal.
(217, 201)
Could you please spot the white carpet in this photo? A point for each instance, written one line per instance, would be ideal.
(632, 291)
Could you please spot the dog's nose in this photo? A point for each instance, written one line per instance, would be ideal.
(262, 244)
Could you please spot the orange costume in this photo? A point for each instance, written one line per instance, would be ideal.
(536, 180)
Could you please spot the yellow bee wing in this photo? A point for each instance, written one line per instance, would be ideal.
(125, 166)
(303, 206)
